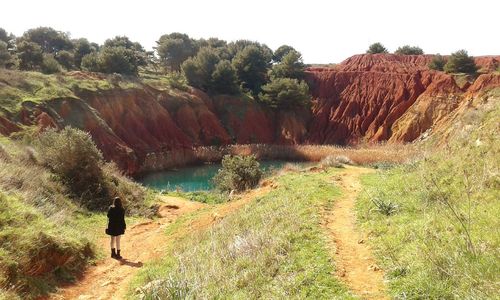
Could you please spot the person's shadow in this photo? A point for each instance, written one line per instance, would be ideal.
(132, 264)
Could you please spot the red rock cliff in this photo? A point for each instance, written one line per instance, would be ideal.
(381, 97)
(385, 97)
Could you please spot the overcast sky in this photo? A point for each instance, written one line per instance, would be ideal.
(324, 31)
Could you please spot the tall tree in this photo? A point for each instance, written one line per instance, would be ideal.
(49, 39)
(82, 47)
(224, 80)
(460, 62)
(251, 66)
(173, 49)
(281, 52)
(5, 56)
(30, 55)
(290, 66)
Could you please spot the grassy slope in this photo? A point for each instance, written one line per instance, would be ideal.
(39, 221)
(272, 248)
(442, 200)
(17, 87)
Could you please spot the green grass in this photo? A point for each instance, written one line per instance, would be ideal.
(272, 248)
(17, 87)
(442, 241)
(31, 243)
(208, 197)
(42, 222)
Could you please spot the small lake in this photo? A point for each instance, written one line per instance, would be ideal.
(194, 178)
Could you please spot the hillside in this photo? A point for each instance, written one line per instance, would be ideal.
(139, 122)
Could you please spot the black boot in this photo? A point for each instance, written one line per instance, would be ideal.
(118, 255)
(113, 253)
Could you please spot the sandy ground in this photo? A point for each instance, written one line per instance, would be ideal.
(110, 278)
(353, 257)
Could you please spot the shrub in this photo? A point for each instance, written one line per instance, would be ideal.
(238, 173)
(72, 155)
(90, 62)
(376, 48)
(437, 63)
(409, 50)
(5, 56)
(66, 59)
(285, 93)
(30, 55)
(386, 208)
(50, 65)
(344, 160)
(460, 62)
(330, 161)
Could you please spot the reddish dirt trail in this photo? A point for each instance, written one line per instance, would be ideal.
(355, 263)
(143, 242)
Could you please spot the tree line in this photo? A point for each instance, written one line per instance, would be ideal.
(457, 62)
(215, 66)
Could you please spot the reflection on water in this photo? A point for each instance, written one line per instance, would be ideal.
(193, 178)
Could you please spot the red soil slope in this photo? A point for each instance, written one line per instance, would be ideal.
(385, 97)
(365, 98)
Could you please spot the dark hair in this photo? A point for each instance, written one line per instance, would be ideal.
(117, 202)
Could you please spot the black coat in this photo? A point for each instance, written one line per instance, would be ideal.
(116, 221)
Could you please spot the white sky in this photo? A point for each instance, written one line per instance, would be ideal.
(324, 31)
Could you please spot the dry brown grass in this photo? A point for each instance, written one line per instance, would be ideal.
(361, 155)
(365, 155)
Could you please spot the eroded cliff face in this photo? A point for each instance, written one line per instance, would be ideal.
(386, 97)
(365, 98)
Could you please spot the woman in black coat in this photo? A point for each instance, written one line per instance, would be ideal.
(116, 226)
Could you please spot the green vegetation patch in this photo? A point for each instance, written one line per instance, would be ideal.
(17, 87)
(272, 248)
(434, 224)
(36, 252)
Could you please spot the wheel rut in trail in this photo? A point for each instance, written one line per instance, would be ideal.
(143, 242)
(353, 257)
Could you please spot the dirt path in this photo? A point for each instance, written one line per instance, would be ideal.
(355, 263)
(110, 278)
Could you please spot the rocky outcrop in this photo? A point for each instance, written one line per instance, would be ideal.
(366, 98)
(385, 97)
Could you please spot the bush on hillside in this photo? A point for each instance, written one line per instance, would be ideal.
(437, 63)
(285, 93)
(66, 59)
(72, 155)
(409, 50)
(50, 64)
(290, 66)
(460, 62)
(209, 73)
(30, 55)
(238, 173)
(5, 56)
(376, 48)
(174, 48)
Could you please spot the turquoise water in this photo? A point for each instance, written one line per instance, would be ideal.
(194, 178)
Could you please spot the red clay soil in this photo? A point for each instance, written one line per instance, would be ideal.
(368, 97)
(353, 257)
